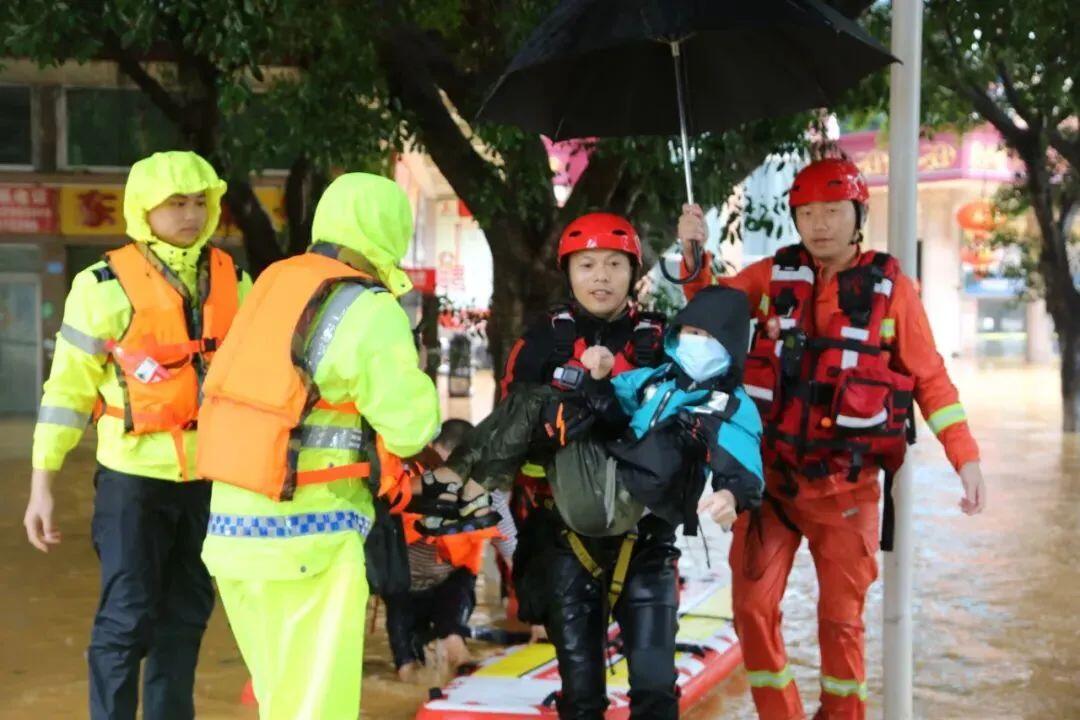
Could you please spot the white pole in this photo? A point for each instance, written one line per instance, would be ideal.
(903, 187)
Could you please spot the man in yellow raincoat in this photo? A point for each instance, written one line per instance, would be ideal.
(138, 334)
(320, 358)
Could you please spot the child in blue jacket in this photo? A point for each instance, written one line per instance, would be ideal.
(690, 418)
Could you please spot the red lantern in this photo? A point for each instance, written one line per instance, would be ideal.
(979, 216)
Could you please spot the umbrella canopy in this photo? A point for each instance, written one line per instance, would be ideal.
(604, 68)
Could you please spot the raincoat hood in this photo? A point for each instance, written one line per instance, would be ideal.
(369, 215)
(724, 313)
(153, 180)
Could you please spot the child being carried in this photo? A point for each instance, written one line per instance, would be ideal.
(648, 440)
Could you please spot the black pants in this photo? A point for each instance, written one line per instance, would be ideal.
(576, 620)
(414, 619)
(156, 595)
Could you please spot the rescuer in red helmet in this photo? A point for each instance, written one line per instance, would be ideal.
(841, 349)
(558, 575)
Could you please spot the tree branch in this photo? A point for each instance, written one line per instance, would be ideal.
(1066, 147)
(1033, 120)
(1015, 136)
(473, 178)
(597, 184)
(130, 65)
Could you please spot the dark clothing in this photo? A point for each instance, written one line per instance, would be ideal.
(551, 584)
(576, 618)
(534, 357)
(156, 595)
(414, 619)
(722, 312)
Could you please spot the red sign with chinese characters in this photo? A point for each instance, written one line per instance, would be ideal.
(28, 209)
(423, 279)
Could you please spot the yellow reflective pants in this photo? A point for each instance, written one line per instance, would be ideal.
(302, 641)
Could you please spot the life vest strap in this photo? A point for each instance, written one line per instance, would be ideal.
(176, 433)
(822, 343)
(345, 407)
(622, 563)
(355, 471)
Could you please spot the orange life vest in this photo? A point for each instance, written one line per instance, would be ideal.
(259, 391)
(464, 550)
(829, 401)
(169, 343)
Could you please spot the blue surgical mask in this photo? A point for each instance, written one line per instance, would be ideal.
(701, 357)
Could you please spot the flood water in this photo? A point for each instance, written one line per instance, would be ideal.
(996, 632)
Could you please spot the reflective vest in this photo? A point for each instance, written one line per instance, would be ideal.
(260, 390)
(169, 342)
(829, 401)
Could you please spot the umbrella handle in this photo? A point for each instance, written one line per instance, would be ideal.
(676, 58)
(695, 269)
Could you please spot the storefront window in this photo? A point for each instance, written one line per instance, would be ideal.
(1002, 330)
(109, 127)
(16, 144)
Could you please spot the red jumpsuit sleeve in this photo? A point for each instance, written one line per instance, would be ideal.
(704, 279)
(753, 280)
(917, 355)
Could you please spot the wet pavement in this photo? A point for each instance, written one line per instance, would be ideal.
(996, 635)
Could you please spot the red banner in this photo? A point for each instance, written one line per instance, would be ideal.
(423, 279)
(28, 209)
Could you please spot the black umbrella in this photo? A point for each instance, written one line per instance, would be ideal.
(609, 68)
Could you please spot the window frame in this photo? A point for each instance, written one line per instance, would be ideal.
(34, 149)
(62, 160)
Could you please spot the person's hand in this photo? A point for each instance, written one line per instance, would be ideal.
(693, 232)
(772, 328)
(599, 361)
(537, 633)
(644, 287)
(974, 500)
(721, 507)
(38, 520)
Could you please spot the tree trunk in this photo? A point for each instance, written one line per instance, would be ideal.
(1069, 335)
(1062, 297)
(523, 291)
(429, 336)
(303, 188)
(260, 240)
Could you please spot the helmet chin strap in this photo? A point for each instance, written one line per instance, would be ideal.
(860, 220)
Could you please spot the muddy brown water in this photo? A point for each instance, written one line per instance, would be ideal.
(996, 629)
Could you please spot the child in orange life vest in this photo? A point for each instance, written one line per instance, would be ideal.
(442, 574)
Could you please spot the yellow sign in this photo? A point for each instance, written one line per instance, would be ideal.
(99, 210)
(932, 156)
(271, 198)
(92, 210)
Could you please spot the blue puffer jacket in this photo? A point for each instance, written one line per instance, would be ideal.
(652, 395)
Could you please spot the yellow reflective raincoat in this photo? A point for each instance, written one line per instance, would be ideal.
(97, 310)
(299, 564)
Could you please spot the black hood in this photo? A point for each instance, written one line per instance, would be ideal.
(724, 313)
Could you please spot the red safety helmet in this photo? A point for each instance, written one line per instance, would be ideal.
(829, 180)
(600, 231)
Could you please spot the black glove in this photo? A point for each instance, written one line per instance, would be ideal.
(566, 417)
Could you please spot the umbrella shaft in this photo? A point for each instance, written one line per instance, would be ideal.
(676, 57)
